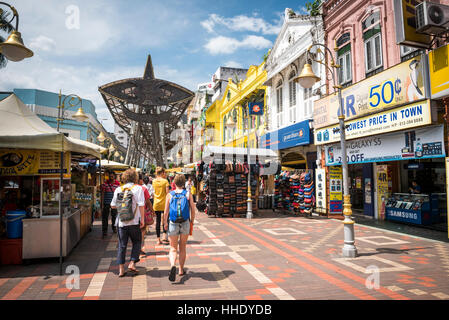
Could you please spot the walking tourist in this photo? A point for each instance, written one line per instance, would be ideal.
(161, 189)
(180, 212)
(148, 181)
(130, 201)
(107, 192)
(149, 212)
(189, 185)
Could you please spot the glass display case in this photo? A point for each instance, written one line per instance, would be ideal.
(50, 197)
(410, 208)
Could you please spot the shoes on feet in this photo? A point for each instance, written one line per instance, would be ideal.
(172, 275)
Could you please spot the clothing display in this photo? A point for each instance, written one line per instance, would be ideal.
(226, 187)
(295, 191)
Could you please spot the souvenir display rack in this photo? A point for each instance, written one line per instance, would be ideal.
(226, 188)
(294, 192)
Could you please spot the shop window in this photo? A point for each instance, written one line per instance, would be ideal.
(409, 52)
(279, 103)
(308, 103)
(373, 44)
(224, 129)
(292, 96)
(344, 59)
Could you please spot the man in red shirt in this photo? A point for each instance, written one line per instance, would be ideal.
(107, 193)
(148, 207)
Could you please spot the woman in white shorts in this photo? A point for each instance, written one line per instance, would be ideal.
(178, 232)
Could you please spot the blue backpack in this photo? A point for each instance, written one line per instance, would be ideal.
(179, 207)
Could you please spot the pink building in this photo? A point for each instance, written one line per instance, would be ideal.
(363, 32)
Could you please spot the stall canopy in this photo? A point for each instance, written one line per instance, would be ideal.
(108, 164)
(214, 151)
(20, 128)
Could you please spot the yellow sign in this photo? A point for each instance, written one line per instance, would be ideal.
(32, 162)
(335, 183)
(398, 85)
(405, 21)
(439, 72)
(382, 190)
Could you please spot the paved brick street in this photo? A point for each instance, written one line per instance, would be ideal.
(270, 257)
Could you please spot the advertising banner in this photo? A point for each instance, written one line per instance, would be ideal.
(297, 134)
(421, 143)
(31, 162)
(335, 190)
(398, 85)
(320, 176)
(382, 190)
(439, 71)
(410, 116)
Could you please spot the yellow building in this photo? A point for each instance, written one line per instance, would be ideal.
(228, 110)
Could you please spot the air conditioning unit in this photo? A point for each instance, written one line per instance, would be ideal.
(432, 18)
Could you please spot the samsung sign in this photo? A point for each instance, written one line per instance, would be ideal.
(297, 134)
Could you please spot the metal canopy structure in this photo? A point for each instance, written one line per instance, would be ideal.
(148, 110)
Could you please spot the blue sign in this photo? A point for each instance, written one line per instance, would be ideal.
(297, 134)
(255, 108)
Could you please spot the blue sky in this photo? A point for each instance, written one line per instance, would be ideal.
(188, 41)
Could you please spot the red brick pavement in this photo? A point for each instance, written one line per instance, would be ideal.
(276, 257)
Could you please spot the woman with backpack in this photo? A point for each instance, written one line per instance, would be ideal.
(129, 201)
(180, 211)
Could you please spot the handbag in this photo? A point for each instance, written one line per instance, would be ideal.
(149, 220)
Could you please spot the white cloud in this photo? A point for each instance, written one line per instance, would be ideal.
(226, 45)
(43, 43)
(242, 23)
(233, 64)
(39, 73)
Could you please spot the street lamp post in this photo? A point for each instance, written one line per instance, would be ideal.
(307, 79)
(79, 115)
(13, 48)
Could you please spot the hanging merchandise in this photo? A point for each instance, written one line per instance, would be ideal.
(294, 192)
(227, 188)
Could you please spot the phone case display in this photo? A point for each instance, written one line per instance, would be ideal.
(226, 188)
(50, 196)
(410, 208)
(295, 191)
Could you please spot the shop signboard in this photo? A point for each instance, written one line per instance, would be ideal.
(335, 190)
(405, 22)
(382, 190)
(422, 143)
(398, 85)
(255, 108)
(297, 134)
(438, 72)
(14, 162)
(320, 176)
(410, 116)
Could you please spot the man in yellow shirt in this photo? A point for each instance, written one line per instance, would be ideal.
(161, 189)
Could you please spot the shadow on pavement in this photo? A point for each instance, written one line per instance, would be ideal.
(391, 251)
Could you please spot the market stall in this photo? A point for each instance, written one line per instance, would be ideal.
(224, 178)
(37, 199)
